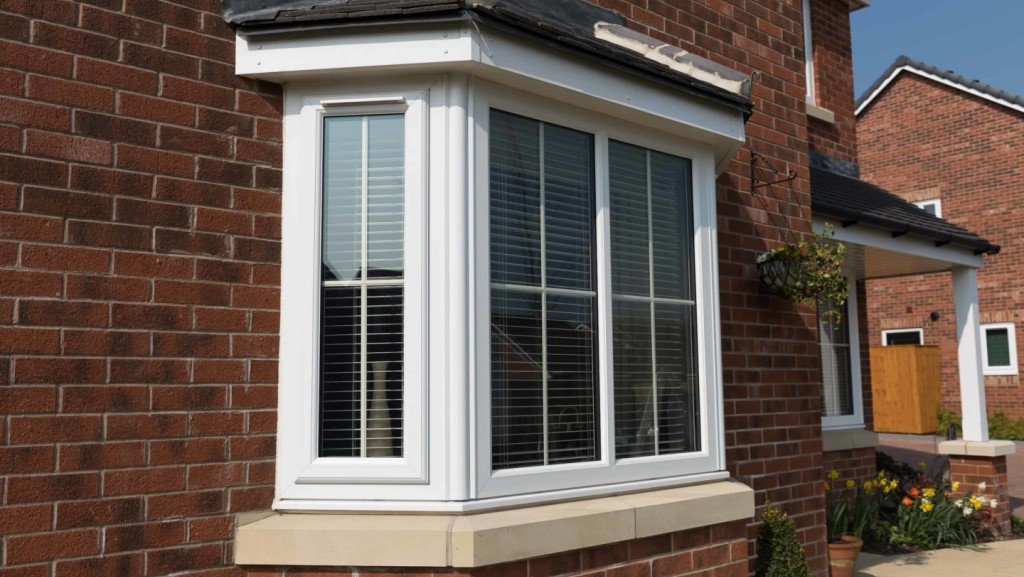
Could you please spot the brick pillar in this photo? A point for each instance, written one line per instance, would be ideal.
(972, 471)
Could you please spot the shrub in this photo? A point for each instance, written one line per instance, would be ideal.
(1000, 426)
(779, 554)
(1016, 525)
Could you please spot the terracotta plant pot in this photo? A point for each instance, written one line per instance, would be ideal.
(842, 556)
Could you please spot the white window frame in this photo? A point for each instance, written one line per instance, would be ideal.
(936, 202)
(808, 53)
(856, 419)
(887, 332)
(708, 463)
(1011, 334)
(302, 473)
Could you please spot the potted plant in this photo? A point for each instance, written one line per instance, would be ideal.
(808, 271)
(849, 511)
(779, 553)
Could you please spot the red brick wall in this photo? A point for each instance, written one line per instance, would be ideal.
(920, 139)
(138, 292)
(833, 80)
(139, 184)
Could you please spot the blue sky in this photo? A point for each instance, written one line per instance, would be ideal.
(981, 39)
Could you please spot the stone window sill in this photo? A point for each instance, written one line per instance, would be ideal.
(848, 439)
(821, 114)
(478, 540)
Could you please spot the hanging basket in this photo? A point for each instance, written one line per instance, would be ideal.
(783, 273)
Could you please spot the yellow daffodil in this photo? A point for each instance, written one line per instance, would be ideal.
(926, 505)
(850, 483)
(833, 475)
(976, 502)
(956, 485)
(827, 486)
(929, 493)
(921, 465)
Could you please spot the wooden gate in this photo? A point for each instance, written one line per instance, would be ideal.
(905, 382)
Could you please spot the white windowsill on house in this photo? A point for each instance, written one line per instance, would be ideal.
(963, 448)
(821, 114)
(848, 439)
(404, 540)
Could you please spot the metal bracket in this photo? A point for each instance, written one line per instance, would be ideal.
(755, 182)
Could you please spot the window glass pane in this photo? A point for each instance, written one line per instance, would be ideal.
(997, 342)
(929, 207)
(361, 324)
(836, 376)
(903, 338)
(543, 329)
(656, 383)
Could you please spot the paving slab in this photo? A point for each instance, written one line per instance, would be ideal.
(1002, 559)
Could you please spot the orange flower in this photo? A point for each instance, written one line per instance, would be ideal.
(907, 501)
(914, 492)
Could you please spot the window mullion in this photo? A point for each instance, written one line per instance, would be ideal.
(654, 332)
(363, 305)
(543, 304)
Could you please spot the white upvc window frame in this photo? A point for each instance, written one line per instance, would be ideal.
(936, 202)
(808, 53)
(856, 419)
(989, 370)
(887, 332)
(302, 473)
(639, 472)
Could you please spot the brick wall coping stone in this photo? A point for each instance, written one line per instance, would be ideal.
(482, 539)
(846, 439)
(977, 448)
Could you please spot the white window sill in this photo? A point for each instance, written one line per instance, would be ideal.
(977, 448)
(298, 539)
(848, 439)
(821, 114)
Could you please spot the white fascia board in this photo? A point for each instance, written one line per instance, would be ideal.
(496, 56)
(955, 85)
(868, 236)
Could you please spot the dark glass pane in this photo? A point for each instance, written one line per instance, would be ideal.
(340, 382)
(836, 375)
(517, 383)
(384, 371)
(675, 328)
(634, 385)
(903, 338)
(515, 199)
(627, 173)
(568, 207)
(998, 343)
(572, 379)
(672, 227)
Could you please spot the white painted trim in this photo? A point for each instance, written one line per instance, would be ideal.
(809, 59)
(866, 235)
(887, 332)
(1012, 336)
(969, 354)
(908, 68)
(856, 419)
(937, 202)
(820, 113)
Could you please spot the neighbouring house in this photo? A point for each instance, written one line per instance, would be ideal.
(430, 286)
(949, 144)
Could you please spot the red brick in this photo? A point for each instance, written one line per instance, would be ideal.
(193, 293)
(27, 400)
(199, 45)
(190, 345)
(263, 371)
(25, 519)
(266, 274)
(12, 82)
(254, 345)
(10, 138)
(256, 201)
(225, 122)
(156, 109)
(35, 59)
(145, 426)
(73, 148)
(254, 397)
(94, 513)
(28, 341)
(257, 151)
(49, 488)
(108, 235)
(148, 371)
(194, 141)
(62, 313)
(252, 249)
(180, 451)
(59, 371)
(74, 41)
(50, 546)
(164, 13)
(161, 317)
(253, 447)
(191, 192)
(223, 271)
(223, 221)
(65, 258)
(163, 561)
(224, 172)
(66, 203)
(152, 265)
(105, 455)
(210, 529)
(218, 371)
(35, 114)
(145, 212)
(181, 241)
(267, 226)
(268, 129)
(192, 397)
(201, 93)
(106, 399)
(108, 288)
(76, 94)
(143, 481)
(189, 504)
(265, 322)
(58, 10)
(30, 227)
(32, 171)
(120, 565)
(255, 297)
(112, 343)
(143, 536)
(116, 128)
(110, 181)
(216, 423)
(155, 161)
(220, 319)
(119, 26)
(25, 460)
(260, 498)
(259, 105)
(268, 178)
(262, 422)
(14, 27)
(53, 429)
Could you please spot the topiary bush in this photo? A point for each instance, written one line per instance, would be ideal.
(779, 554)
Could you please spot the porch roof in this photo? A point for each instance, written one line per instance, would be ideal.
(849, 201)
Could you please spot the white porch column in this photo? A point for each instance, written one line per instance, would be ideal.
(968, 336)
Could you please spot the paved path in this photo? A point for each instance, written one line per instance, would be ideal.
(914, 449)
(1003, 559)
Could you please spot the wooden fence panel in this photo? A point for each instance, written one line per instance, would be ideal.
(905, 385)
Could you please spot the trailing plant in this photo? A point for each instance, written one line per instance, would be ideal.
(779, 553)
(809, 271)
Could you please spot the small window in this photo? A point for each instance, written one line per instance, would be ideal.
(999, 349)
(932, 206)
(902, 337)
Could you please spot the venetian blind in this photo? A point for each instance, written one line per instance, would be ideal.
(543, 299)
(654, 321)
(836, 375)
(361, 373)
